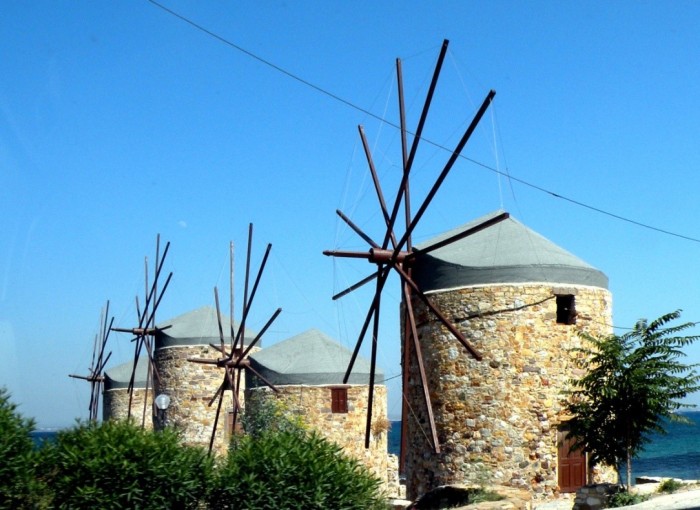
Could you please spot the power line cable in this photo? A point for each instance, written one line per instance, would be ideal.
(350, 104)
(269, 64)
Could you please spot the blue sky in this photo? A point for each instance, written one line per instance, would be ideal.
(119, 121)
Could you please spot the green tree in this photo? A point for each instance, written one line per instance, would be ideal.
(634, 383)
(116, 464)
(18, 486)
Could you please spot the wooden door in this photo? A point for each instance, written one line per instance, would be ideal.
(572, 464)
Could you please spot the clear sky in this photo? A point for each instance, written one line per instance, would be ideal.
(119, 121)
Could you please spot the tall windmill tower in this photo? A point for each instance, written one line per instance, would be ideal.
(191, 386)
(183, 360)
(462, 355)
(520, 300)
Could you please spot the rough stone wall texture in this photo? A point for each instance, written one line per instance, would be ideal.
(191, 387)
(595, 497)
(313, 404)
(497, 419)
(115, 406)
(395, 489)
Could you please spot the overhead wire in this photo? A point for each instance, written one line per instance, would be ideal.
(354, 106)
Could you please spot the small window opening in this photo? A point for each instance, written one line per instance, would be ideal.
(339, 400)
(566, 309)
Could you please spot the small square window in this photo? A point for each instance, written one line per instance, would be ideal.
(339, 400)
(566, 309)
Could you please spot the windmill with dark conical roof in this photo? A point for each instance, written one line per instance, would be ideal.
(116, 395)
(307, 371)
(522, 301)
(233, 358)
(489, 315)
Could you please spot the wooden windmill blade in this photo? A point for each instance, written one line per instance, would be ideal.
(218, 320)
(403, 189)
(152, 375)
(248, 301)
(98, 379)
(146, 317)
(222, 362)
(240, 363)
(231, 259)
(101, 362)
(146, 328)
(97, 384)
(241, 332)
(400, 255)
(144, 332)
(235, 361)
(402, 192)
(240, 335)
(97, 364)
(143, 339)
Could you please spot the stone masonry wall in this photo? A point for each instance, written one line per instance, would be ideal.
(115, 406)
(191, 386)
(313, 404)
(497, 419)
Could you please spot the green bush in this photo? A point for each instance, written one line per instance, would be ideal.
(119, 465)
(288, 470)
(18, 486)
(669, 485)
(625, 498)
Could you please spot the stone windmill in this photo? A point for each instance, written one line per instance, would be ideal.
(521, 300)
(233, 358)
(510, 298)
(307, 370)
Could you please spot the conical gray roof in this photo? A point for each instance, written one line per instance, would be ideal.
(198, 327)
(507, 252)
(311, 358)
(118, 377)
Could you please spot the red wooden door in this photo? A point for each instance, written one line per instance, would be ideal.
(572, 464)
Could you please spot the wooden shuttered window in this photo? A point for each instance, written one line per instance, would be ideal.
(339, 400)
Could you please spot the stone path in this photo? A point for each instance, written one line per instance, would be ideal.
(560, 504)
(686, 500)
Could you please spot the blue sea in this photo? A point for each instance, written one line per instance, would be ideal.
(43, 435)
(675, 455)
